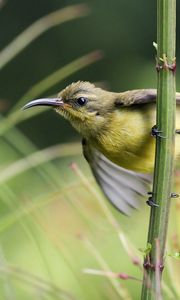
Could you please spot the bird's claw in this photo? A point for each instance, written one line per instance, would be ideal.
(151, 202)
(149, 193)
(155, 132)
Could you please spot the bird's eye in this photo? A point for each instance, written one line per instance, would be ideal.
(82, 101)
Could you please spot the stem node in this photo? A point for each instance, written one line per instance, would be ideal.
(163, 64)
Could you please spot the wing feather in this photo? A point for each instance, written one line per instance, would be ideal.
(122, 187)
(142, 96)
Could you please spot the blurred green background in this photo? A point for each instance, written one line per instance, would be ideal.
(54, 222)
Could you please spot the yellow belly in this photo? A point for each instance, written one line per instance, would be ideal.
(127, 139)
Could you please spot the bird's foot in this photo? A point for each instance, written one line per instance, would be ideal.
(151, 201)
(149, 193)
(155, 132)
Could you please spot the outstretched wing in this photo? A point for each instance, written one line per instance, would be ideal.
(142, 96)
(122, 187)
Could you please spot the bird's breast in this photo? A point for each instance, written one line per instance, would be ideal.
(126, 139)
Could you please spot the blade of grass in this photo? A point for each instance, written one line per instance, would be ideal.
(34, 280)
(59, 75)
(11, 200)
(122, 292)
(39, 27)
(38, 158)
(2, 3)
(24, 146)
(26, 209)
(9, 292)
(129, 248)
(30, 208)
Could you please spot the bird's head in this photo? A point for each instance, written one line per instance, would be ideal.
(83, 104)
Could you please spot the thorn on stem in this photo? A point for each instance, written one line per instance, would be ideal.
(174, 195)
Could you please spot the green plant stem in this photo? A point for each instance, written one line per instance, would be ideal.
(163, 173)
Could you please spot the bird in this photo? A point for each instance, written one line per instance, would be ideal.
(117, 136)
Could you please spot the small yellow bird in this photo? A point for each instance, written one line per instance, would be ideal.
(117, 140)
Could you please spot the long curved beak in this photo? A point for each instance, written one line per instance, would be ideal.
(44, 102)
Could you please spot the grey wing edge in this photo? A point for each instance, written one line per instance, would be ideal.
(121, 186)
